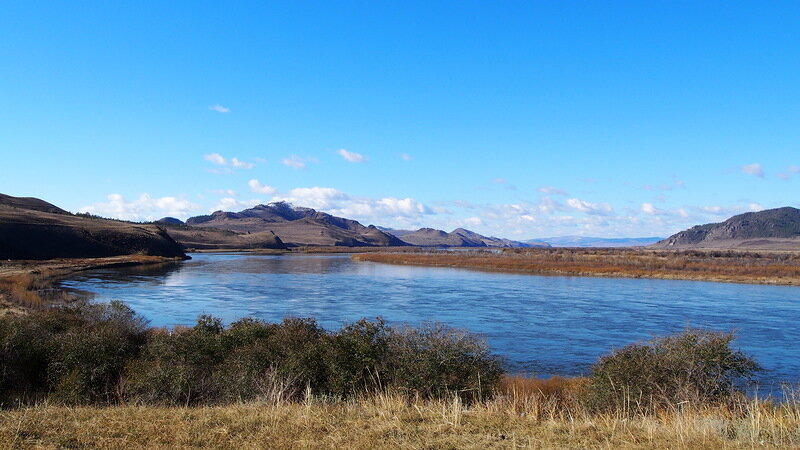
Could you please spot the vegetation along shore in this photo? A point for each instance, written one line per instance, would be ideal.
(92, 375)
(735, 266)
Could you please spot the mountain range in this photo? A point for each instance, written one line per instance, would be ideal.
(31, 228)
(460, 237)
(297, 226)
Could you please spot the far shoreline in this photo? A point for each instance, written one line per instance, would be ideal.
(781, 268)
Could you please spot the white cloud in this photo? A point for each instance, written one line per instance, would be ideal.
(753, 169)
(499, 181)
(232, 204)
(352, 157)
(297, 162)
(589, 208)
(727, 211)
(236, 162)
(405, 157)
(144, 208)
(386, 210)
(789, 172)
(256, 186)
(473, 221)
(228, 192)
(215, 158)
(648, 208)
(220, 109)
(551, 190)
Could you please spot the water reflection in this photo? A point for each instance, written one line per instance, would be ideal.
(547, 325)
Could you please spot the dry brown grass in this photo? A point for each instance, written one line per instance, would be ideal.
(392, 421)
(29, 284)
(709, 265)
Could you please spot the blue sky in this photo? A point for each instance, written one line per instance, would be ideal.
(518, 119)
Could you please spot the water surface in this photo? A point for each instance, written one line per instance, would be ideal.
(542, 325)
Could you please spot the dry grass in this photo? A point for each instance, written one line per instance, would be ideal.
(392, 421)
(29, 284)
(709, 265)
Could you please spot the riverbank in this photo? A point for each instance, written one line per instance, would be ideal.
(386, 421)
(732, 266)
(28, 283)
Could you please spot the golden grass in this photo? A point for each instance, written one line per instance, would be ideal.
(29, 284)
(708, 265)
(392, 421)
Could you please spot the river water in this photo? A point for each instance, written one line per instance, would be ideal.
(540, 325)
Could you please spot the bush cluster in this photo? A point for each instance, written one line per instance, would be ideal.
(106, 354)
(93, 353)
(694, 367)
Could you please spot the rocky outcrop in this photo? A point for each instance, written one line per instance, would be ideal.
(771, 228)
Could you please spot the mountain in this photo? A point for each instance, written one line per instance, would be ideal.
(34, 229)
(769, 229)
(584, 241)
(491, 241)
(297, 226)
(205, 238)
(460, 237)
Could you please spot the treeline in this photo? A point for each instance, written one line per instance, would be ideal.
(105, 354)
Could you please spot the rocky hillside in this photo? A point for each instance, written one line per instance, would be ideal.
(297, 226)
(769, 229)
(204, 238)
(460, 237)
(34, 229)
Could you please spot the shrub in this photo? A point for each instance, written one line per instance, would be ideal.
(101, 354)
(88, 360)
(435, 360)
(695, 366)
(358, 357)
(177, 367)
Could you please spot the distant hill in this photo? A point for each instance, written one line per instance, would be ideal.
(30, 203)
(584, 241)
(460, 237)
(297, 226)
(205, 238)
(769, 229)
(34, 229)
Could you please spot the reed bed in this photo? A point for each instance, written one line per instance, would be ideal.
(708, 265)
(390, 420)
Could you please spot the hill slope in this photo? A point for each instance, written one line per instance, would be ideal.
(204, 238)
(769, 229)
(34, 229)
(297, 226)
(460, 237)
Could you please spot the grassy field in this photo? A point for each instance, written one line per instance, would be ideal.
(387, 421)
(707, 265)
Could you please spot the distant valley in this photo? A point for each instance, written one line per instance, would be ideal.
(584, 241)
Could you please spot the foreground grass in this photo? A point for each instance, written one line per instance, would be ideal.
(389, 421)
(760, 267)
